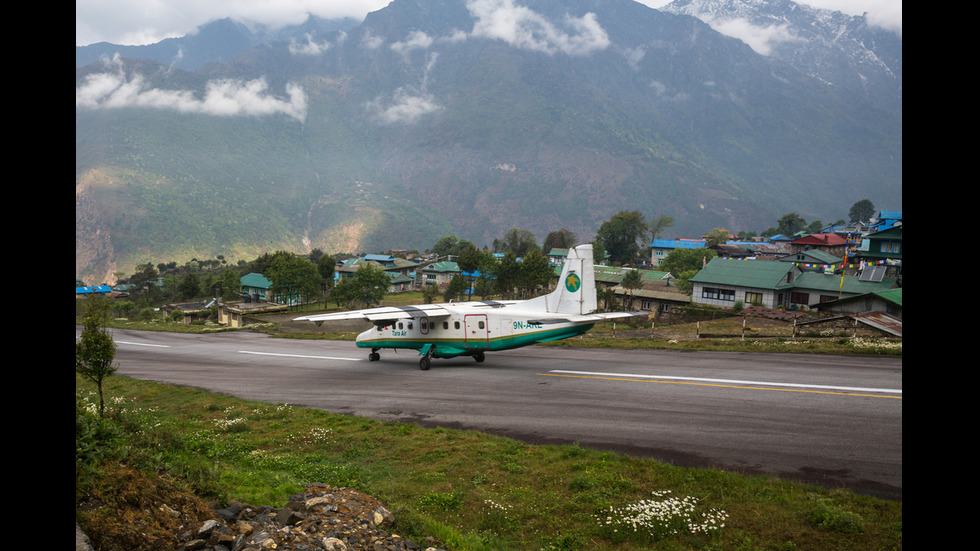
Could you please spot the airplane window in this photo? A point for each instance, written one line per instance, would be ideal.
(424, 325)
(445, 325)
(481, 325)
(409, 325)
(400, 326)
(457, 325)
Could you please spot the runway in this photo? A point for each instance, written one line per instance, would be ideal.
(829, 420)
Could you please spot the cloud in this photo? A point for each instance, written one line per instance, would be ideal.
(405, 107)
(371, 41)
(760, 39)
(416, 40)
(147, 22)
(226, 97)
(494, 19)
(311, 47)
(521, 27)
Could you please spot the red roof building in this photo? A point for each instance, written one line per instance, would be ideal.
(828, 242)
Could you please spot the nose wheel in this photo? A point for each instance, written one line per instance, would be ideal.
(374, 356)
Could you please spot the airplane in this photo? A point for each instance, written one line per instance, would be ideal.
(472, 328)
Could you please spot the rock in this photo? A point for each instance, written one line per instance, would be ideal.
(82, 543)
(319, 518)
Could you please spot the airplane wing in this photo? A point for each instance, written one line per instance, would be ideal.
(587, 318)
(381, 314)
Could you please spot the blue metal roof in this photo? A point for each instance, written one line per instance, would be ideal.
(679, 243)
(93, 289)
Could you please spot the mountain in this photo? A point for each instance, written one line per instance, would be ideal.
(216, 42)
(860, 61)
(438, 117)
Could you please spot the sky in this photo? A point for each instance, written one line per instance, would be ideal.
(135, 22)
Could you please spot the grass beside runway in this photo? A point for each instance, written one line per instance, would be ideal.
(466, 489)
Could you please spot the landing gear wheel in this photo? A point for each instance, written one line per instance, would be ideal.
(374, 356)
(425, 363)
(479, 357)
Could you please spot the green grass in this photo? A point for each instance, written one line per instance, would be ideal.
(469, 490)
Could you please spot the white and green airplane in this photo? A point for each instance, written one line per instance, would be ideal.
(453, 329)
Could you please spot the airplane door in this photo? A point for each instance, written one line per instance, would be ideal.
(477, 331)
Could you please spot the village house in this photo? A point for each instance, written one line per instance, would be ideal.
(556, 256)
(830, 243)
(240, 313)
(660, 248)
(814, 260)
(888, 301)
(882, 249)
(658, 291)
(723, 282)
(400, 271)
(255, 287)
(439, 273)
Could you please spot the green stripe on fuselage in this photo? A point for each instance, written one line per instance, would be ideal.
(448, 348)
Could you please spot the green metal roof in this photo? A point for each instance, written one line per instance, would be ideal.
(891, 295)
(761, 274)
(849, 284)
(257, 280)
(444, 266)
(612, 274)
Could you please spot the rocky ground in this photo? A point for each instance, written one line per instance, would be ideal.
(319, 518)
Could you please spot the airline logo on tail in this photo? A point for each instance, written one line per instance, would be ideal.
(573, 283)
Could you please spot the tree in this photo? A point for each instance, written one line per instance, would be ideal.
(294, 279)
(95, 350)
(861, 211)
(717, 236)
(621, 236)
(660, 224)
(326, 266)
(457, 286)
(429, 293)
(367, 286)
(315, 255)
(606, 296)
(519, 241)
(473, 261)
(469, 261)
(534, 271)
(631, 282)
(506, 275)
(450, 245)
(189, 286)
(684, 260)
(561, 239)
(444, 245)
(487, 266)
(231, 285)
(144, 280)
(261, 264)
(791, 223)
(598, 253)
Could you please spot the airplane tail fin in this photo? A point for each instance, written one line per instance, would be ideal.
(576, 292)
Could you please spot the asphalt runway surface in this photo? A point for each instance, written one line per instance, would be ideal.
(834, 421)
